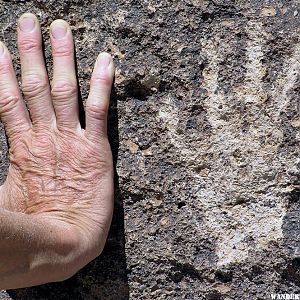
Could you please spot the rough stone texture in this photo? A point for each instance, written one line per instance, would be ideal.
(205, 133)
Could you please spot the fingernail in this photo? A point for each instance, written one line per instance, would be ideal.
(26, 24)
(59, 30)
(103, 61)
(1, 49)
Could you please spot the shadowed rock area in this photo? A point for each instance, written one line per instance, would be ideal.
(204, 127)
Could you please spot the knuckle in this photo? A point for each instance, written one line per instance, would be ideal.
(62, 50)
(34, 85)
(8, 102)
(99, 80)
(97, 112)
(5, 66)
(29, 45)
(64, 89)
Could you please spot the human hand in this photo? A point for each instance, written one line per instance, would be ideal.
(60, 174)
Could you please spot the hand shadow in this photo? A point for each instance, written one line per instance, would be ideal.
(105, 278)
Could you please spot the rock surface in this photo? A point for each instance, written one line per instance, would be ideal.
(204, 128)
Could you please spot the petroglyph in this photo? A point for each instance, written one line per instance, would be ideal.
(240, 225)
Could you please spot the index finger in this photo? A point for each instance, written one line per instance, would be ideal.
(13, 110)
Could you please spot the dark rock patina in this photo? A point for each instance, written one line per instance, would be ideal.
(204, 127)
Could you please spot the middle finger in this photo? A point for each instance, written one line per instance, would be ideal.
(64, 83)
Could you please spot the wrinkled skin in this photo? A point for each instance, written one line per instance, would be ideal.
(60, 175)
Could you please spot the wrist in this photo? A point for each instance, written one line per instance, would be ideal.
(74, 247)
(34, 252)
